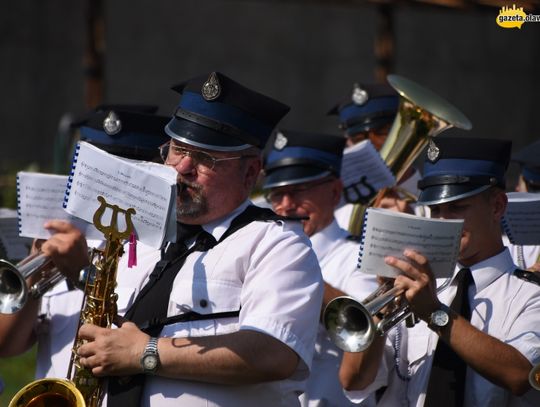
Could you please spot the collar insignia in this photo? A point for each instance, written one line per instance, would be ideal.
(112, 124)
(211, 89)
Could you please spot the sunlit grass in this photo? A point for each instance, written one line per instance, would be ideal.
(16, 372)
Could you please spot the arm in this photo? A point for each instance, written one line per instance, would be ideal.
(234, 358)
(498, 362)
(67, 248)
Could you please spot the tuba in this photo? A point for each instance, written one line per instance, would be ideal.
(534, 377)
(421, 116)
(82, 388)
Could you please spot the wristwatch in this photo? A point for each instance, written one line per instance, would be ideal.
(440, 317)
(150, 357)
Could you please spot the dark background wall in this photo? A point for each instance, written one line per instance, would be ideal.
(306, 54)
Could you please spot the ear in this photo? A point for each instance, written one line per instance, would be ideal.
(337, 189)
(252, 171)
(500, 201)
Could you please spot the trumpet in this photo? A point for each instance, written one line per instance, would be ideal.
(14, 292)
(350, 325)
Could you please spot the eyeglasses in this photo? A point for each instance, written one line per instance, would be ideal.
(275, 196)
(202, 161)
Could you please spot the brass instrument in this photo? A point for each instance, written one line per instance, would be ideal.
(82, 388)
(13, 290)
(421, 116)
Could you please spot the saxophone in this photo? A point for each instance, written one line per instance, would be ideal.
(82, 388)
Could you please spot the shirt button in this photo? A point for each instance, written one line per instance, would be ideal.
(203, 303)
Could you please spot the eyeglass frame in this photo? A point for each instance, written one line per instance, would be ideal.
(188, 153)
(301, 187)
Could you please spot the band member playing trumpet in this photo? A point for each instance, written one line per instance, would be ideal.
(479, 338)
(302, 180)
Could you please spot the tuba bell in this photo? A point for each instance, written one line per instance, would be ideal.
(421, 116)
(534, 377)
(82, 388)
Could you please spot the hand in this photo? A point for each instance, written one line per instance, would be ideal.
(416, 282)
(535, 267)
(112, 352)
(67, 248)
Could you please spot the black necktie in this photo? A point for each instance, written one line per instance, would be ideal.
(447, 379)
(152, 302)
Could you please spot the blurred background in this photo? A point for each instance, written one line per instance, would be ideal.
(60, 58)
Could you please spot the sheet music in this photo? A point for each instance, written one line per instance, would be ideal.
(14, 246)
(40, 197)
(149, 188)
(521, 221)
(389, 233)
(363, 172)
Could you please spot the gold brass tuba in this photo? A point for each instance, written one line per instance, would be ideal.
(534, 377)
(82, 388)
(421, 116)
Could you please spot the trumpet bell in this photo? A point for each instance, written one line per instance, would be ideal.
(48, 392)
(13, 291)
(348, 324)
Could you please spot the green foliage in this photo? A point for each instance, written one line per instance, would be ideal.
(16, 372)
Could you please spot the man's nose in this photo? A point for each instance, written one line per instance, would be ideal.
(185, 165)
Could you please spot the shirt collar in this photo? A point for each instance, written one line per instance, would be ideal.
(323, 240)
(487, 271)
(218, 227)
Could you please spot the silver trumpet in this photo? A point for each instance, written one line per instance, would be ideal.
(350, 325)
(13, 289)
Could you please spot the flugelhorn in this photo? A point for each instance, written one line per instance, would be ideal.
(421, 116)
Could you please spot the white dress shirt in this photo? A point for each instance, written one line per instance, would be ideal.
(267, 268)
(523, 256)
(503, 306)
(337, 257)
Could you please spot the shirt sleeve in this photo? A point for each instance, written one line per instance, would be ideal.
(282, 292)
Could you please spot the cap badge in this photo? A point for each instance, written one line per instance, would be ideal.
(359, 95)
(112, 124)
(280, 142)
(211, 89)
(433, 151)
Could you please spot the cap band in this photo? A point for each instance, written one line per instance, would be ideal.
(455, 180)
(530, 175)
(372, 106)
(303, 156)
(127, 140)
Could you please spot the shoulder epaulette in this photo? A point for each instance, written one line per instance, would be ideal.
(529, 276)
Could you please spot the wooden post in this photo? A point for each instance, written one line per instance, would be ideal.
(94, 54)
(384, 42)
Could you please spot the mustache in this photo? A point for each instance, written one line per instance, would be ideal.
(182, 184)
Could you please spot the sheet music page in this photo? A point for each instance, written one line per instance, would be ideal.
(14, 246)
(363, 172)
(389, 233)
(40, 197)
(148, 188)
(521, 221)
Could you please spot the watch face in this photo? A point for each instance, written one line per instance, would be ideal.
(150, 362)
(440, 318)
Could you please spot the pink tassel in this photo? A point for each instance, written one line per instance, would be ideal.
(132, 255)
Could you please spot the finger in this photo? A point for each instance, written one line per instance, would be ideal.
(405, 267)
(58, 225)
(89, 332)
(416, 257)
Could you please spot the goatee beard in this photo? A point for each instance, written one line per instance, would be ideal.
(190, 202)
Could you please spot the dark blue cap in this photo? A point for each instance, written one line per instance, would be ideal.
(367, 108)
(131, 131)
(529, 159)
(459, 167)
(217, 113)
(298, 157)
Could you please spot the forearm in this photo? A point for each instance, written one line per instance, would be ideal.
(17, 333)
(500, 363)
(358, 370)
(240, 358)
(330, 293)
